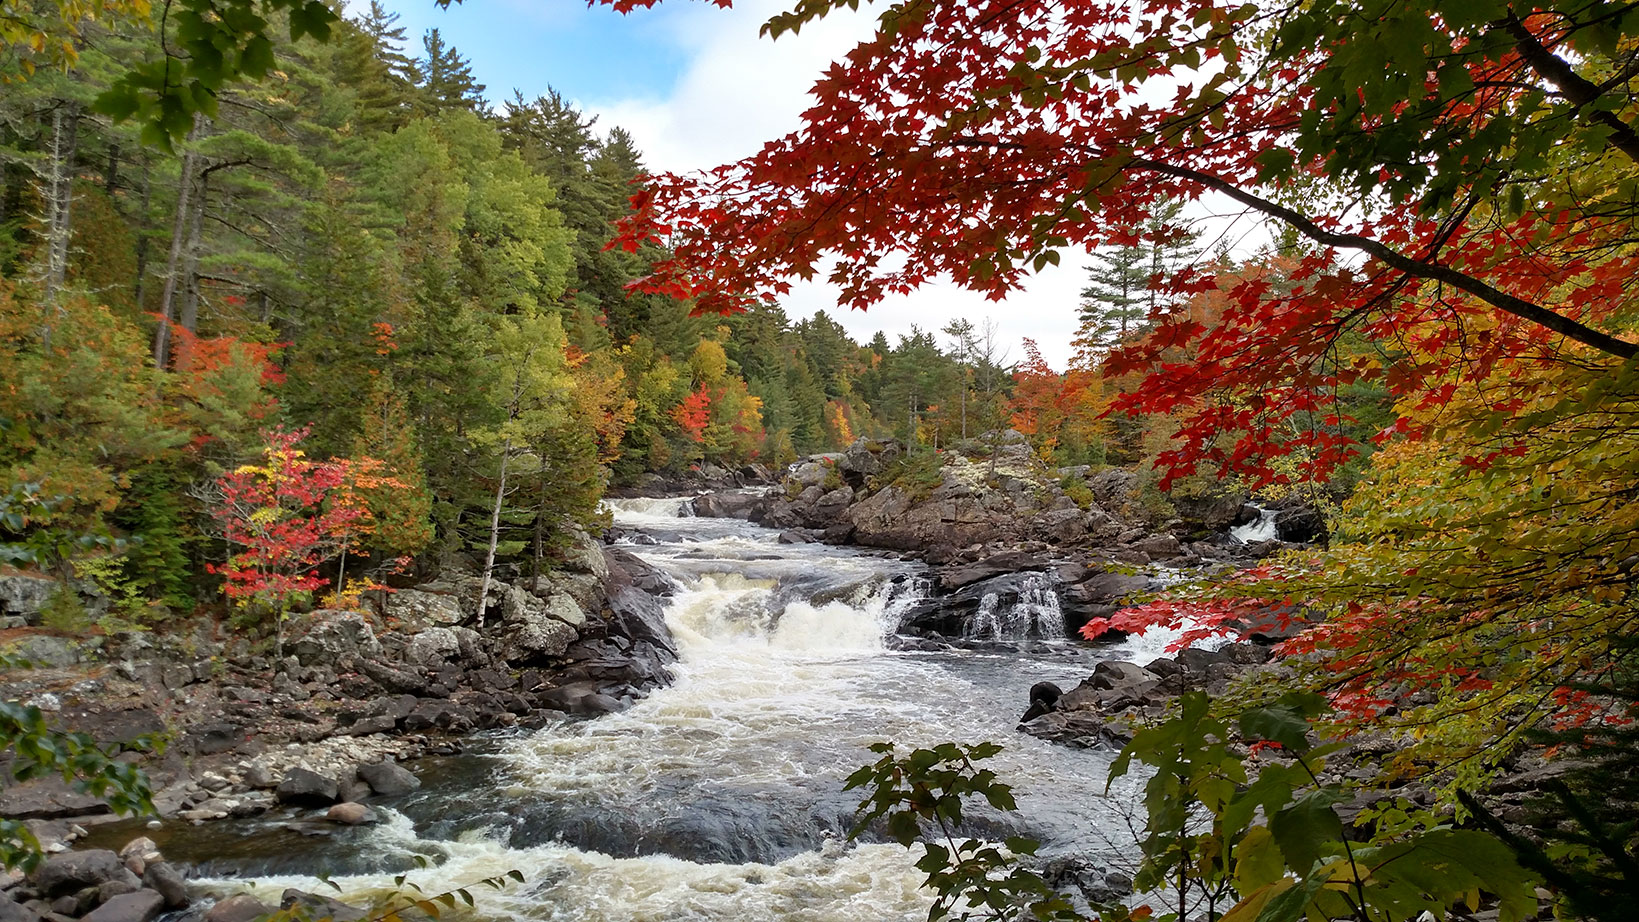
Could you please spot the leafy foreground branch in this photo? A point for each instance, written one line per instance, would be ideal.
(1240, 828)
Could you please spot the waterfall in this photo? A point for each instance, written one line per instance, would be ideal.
(1254, 532)
(645, 508)
(1033, 614)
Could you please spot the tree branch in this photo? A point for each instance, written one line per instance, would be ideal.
(1576, 88)
(1497, 298)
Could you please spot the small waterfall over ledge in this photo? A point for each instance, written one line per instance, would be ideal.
(1256, 532)
(1030, 612)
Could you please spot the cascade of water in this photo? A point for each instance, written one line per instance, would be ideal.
(1033, 614)
(639, 509)
(1254, 532)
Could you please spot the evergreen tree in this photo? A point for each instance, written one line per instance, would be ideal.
(445, 77)
(1113, 303)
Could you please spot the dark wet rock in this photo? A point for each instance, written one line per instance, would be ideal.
(580, 699)
(389, 779)
(167, 882)
(304, 788)
(140, 906)
(241, 907)
(957, 576)
(320, 907)
(48, 798)
(73, 871)
(733, 505)
(393, 679)
(1297, 522)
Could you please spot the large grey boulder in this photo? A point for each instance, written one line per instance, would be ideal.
(140, 906)
(530, 631)
(304, 788)
(416, 607)
(336, 637)
(433, 647)
(389, 779)
(73, 871)
(167, 882)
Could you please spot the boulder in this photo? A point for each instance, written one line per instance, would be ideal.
(16, 912)
(1111, 674)
(24, 595)
(163, 879)
(70, 872)
(809, 474)
(565, 609)
(416, 607)
(389, 779)
(140, 906)
(334, 636)
(580, 699)
(350, 814)
(44, 650)
(1159, 547)
(738, 504)
(241, 907)
(393, 679)
(585, 555)
(957, 576)
(304, 788)
(1301, 524)
(433, 647)
(313, 906)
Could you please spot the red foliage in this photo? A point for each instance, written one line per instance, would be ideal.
(275, 517)
(694, 414)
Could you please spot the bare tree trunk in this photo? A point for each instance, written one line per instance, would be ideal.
(111, 174)
(494, 528)
(140, 293)
(188, 316)
(173, 265)
(65, 125)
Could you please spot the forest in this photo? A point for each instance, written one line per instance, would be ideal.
(292, 310)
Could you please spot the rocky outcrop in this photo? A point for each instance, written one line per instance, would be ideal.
(97, 885)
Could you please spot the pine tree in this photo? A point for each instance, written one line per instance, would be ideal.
(1113, 303)
(445, 77)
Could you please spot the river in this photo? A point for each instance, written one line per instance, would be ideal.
(720, 796)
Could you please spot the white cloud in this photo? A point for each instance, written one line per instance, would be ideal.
(739, 90)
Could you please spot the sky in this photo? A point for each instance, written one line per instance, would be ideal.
(696, 87)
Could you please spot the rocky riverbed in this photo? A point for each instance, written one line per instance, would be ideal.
(316, 735)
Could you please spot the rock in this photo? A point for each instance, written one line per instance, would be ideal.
(44, 650)
(1302, 524)
(113, 888)
(432, 647)
(48, 798)
(131, 907)
(1159, 547)
(392, 679)
(24, 595)
(16, 912)
(581, 699)
(389, 779)
(565, 609)
(241, 907)
(960, 575)
(350, 814)
(365, 726)
(164, 880)
(1111, 674)
(585, 555)
(73, 871)
(416, 607)
(304, 788)
(320, 907)
(334, 636)
(260, 776)
(734, 505)
(141, 847)
(213, 737)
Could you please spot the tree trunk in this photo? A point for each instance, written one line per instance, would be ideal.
(188, 316)
(65, 124)
(173, 265)
(494, 529)
(140, 293)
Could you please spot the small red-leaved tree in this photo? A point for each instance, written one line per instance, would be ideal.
(279, 528)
